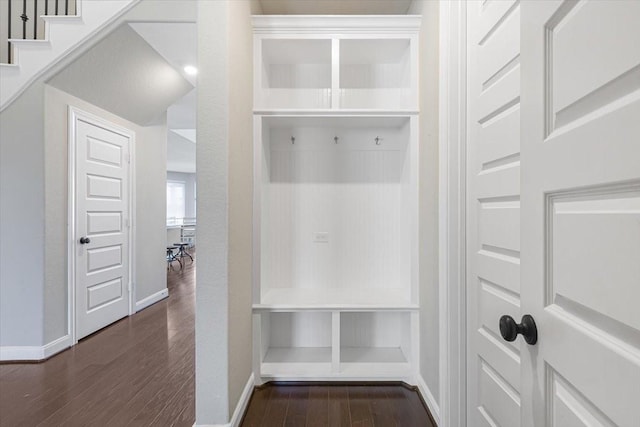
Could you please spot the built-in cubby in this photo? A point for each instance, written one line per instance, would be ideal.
(376, 74)
(336, 63)
(296, 343)
(335, 268)
(295, 73)
(375, 337)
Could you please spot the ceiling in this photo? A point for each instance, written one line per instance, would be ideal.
(124, 75)
(335, 7)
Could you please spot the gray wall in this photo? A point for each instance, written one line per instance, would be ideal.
(212, 326)
(240, 195)
(149, 223)
(428, 188)
(189, 180)
(224, 165)
(22, 220)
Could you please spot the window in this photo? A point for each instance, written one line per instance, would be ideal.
(175, 200)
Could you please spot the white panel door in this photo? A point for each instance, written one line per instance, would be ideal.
(493, 185)
(581, 212)
(101, 226)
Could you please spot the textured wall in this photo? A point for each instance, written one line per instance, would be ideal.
(212, 328)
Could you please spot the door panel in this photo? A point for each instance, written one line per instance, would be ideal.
(493, 185)
(581, 212)
(102, 209)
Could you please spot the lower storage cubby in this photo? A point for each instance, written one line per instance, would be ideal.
(375, 343)
(296, 343)
(335, 345)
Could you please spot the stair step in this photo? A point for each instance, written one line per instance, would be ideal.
(30, 42)
(61, 18)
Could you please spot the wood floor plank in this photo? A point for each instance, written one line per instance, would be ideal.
(381, 410)
(298, 406)
(360, 407)
(258, 404)
(277, 407)
(420, 416)
(318, 410)
(339, 413)
(175, 406)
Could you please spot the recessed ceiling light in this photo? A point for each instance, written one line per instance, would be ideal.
(191, 70)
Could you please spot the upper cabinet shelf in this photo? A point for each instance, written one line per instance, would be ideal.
(335, 63)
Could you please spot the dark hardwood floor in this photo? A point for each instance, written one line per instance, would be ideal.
(140, 372)
(136, 372)
(339, 405)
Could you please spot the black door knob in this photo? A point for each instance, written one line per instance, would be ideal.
(85, 240)
(509, 329)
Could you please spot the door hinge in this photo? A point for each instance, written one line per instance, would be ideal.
(129, 287)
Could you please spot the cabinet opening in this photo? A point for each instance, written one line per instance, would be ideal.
(375, 337)
(375, 73)
(296, 337)
(296, 73)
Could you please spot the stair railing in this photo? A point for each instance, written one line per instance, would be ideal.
(32, 10)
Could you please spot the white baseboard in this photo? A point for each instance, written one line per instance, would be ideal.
(56, 346)
(19, 353)
(152, 299)
(433, 406)
(241, 407)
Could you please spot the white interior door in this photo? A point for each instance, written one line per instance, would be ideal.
(101, 231)
(554, 231)
(581, 212)
(493, 212)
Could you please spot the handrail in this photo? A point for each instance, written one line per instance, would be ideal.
(32, 12)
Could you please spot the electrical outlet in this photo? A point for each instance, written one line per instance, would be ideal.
(321, 237)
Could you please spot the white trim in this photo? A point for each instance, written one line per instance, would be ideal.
(75, 114)
(16, 353)
(152, 299)
(431, 401)
(452, 245)
(56, 346)
(241, 407)
(336, 24)
(35, 352)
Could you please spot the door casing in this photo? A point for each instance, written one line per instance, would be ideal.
(452, 212)
(75, 114)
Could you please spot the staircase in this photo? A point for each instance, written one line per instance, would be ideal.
(56, 36)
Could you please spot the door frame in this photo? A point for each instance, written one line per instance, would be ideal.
(74, 115)
(452, 212)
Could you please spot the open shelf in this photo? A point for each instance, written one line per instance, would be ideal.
(376, 74)
(372, 355)
(335, 299)
(296, 343)
(295, 74)
(375, 337)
